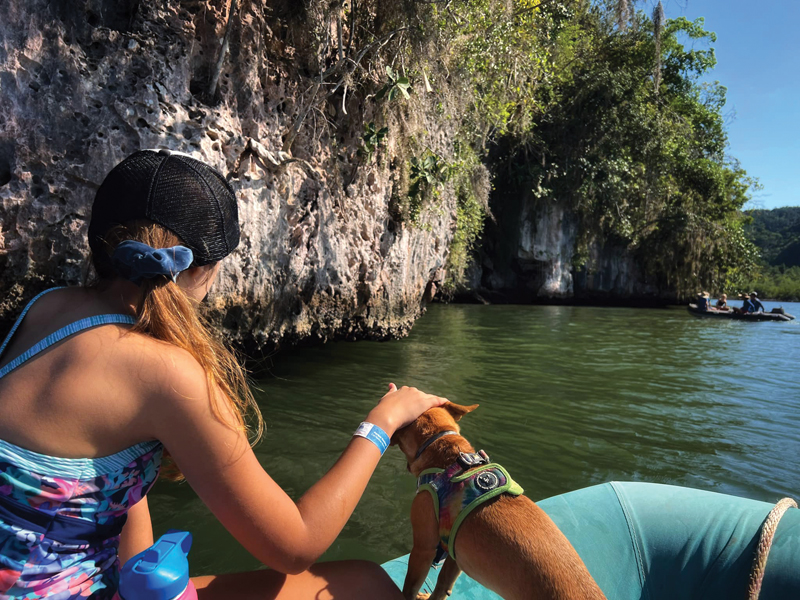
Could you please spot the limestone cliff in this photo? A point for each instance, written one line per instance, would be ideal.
(330, 247)
(85, 83)
(530, 256)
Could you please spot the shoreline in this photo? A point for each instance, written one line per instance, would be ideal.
(487, 297)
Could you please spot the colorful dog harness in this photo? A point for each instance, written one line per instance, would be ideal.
(457, 491)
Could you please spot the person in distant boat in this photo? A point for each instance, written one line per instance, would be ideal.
(702, 301)
(722, 303)
(746, 305)
(755, 304)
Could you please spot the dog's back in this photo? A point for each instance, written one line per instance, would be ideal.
(511, 546)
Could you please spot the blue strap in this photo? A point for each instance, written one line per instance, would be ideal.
(22, 316)
(429, 441)
(59, 335)
(75, 468)
(428, 476)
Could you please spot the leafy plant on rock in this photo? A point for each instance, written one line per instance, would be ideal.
(396, 85)
(372, 138)
(426, 172)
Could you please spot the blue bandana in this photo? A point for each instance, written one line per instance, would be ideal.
(136, 261)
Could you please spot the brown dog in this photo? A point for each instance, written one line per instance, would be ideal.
(508, 544)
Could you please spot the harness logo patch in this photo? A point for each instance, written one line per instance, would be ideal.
(487, 481)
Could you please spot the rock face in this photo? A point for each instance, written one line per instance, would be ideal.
(85, 83)
(529, 257)
(325, 251)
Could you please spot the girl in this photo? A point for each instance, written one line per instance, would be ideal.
(98, 382)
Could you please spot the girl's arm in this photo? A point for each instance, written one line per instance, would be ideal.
(137, 534)
(219, 464)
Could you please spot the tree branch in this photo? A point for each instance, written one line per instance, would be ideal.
(212, 86)
(287, 144)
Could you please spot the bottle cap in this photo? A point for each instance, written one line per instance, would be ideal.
(159, 573)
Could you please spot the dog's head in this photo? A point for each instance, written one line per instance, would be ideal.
(442, 418)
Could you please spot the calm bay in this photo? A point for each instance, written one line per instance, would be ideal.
(569, 397)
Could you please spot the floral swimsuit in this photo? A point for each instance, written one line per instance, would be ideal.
(60, 518)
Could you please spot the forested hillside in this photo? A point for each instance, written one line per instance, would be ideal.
(626, 137)
(776, 233)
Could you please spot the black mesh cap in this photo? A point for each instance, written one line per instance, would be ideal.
(176, 191)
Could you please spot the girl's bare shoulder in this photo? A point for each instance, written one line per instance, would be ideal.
(139, 362)
(163, 368)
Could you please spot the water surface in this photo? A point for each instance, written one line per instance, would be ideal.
(569, 397)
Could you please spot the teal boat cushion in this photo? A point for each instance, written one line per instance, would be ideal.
(594, 523)
(464, 589)
(645, 541)
(649, 541)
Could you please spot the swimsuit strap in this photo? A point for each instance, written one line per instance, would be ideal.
(22, 316)
(59, 335)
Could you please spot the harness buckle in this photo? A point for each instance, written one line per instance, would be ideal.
(468, 460)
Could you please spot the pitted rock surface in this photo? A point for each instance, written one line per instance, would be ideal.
(85, 83)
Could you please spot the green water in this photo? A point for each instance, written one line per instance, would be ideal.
(570, 397)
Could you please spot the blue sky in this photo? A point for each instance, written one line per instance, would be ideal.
(758, 60)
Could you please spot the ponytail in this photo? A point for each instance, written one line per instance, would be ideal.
(164, 312)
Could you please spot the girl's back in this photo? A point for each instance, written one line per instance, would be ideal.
(81, 397)
(94, 380)
(73, 453)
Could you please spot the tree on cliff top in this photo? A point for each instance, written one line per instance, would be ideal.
(639, 152)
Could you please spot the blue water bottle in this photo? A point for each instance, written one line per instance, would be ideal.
(159, 573)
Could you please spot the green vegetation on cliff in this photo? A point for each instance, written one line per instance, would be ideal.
(634, 143)
(590, 104)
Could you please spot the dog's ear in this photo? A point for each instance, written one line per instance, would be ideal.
(457, 411)
(395, 439)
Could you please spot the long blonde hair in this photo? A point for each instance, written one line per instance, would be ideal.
(164, 312)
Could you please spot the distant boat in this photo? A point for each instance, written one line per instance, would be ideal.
(729, 314)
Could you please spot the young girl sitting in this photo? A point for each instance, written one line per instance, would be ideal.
(98, 383)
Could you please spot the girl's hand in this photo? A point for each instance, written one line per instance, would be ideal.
(399, 407)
